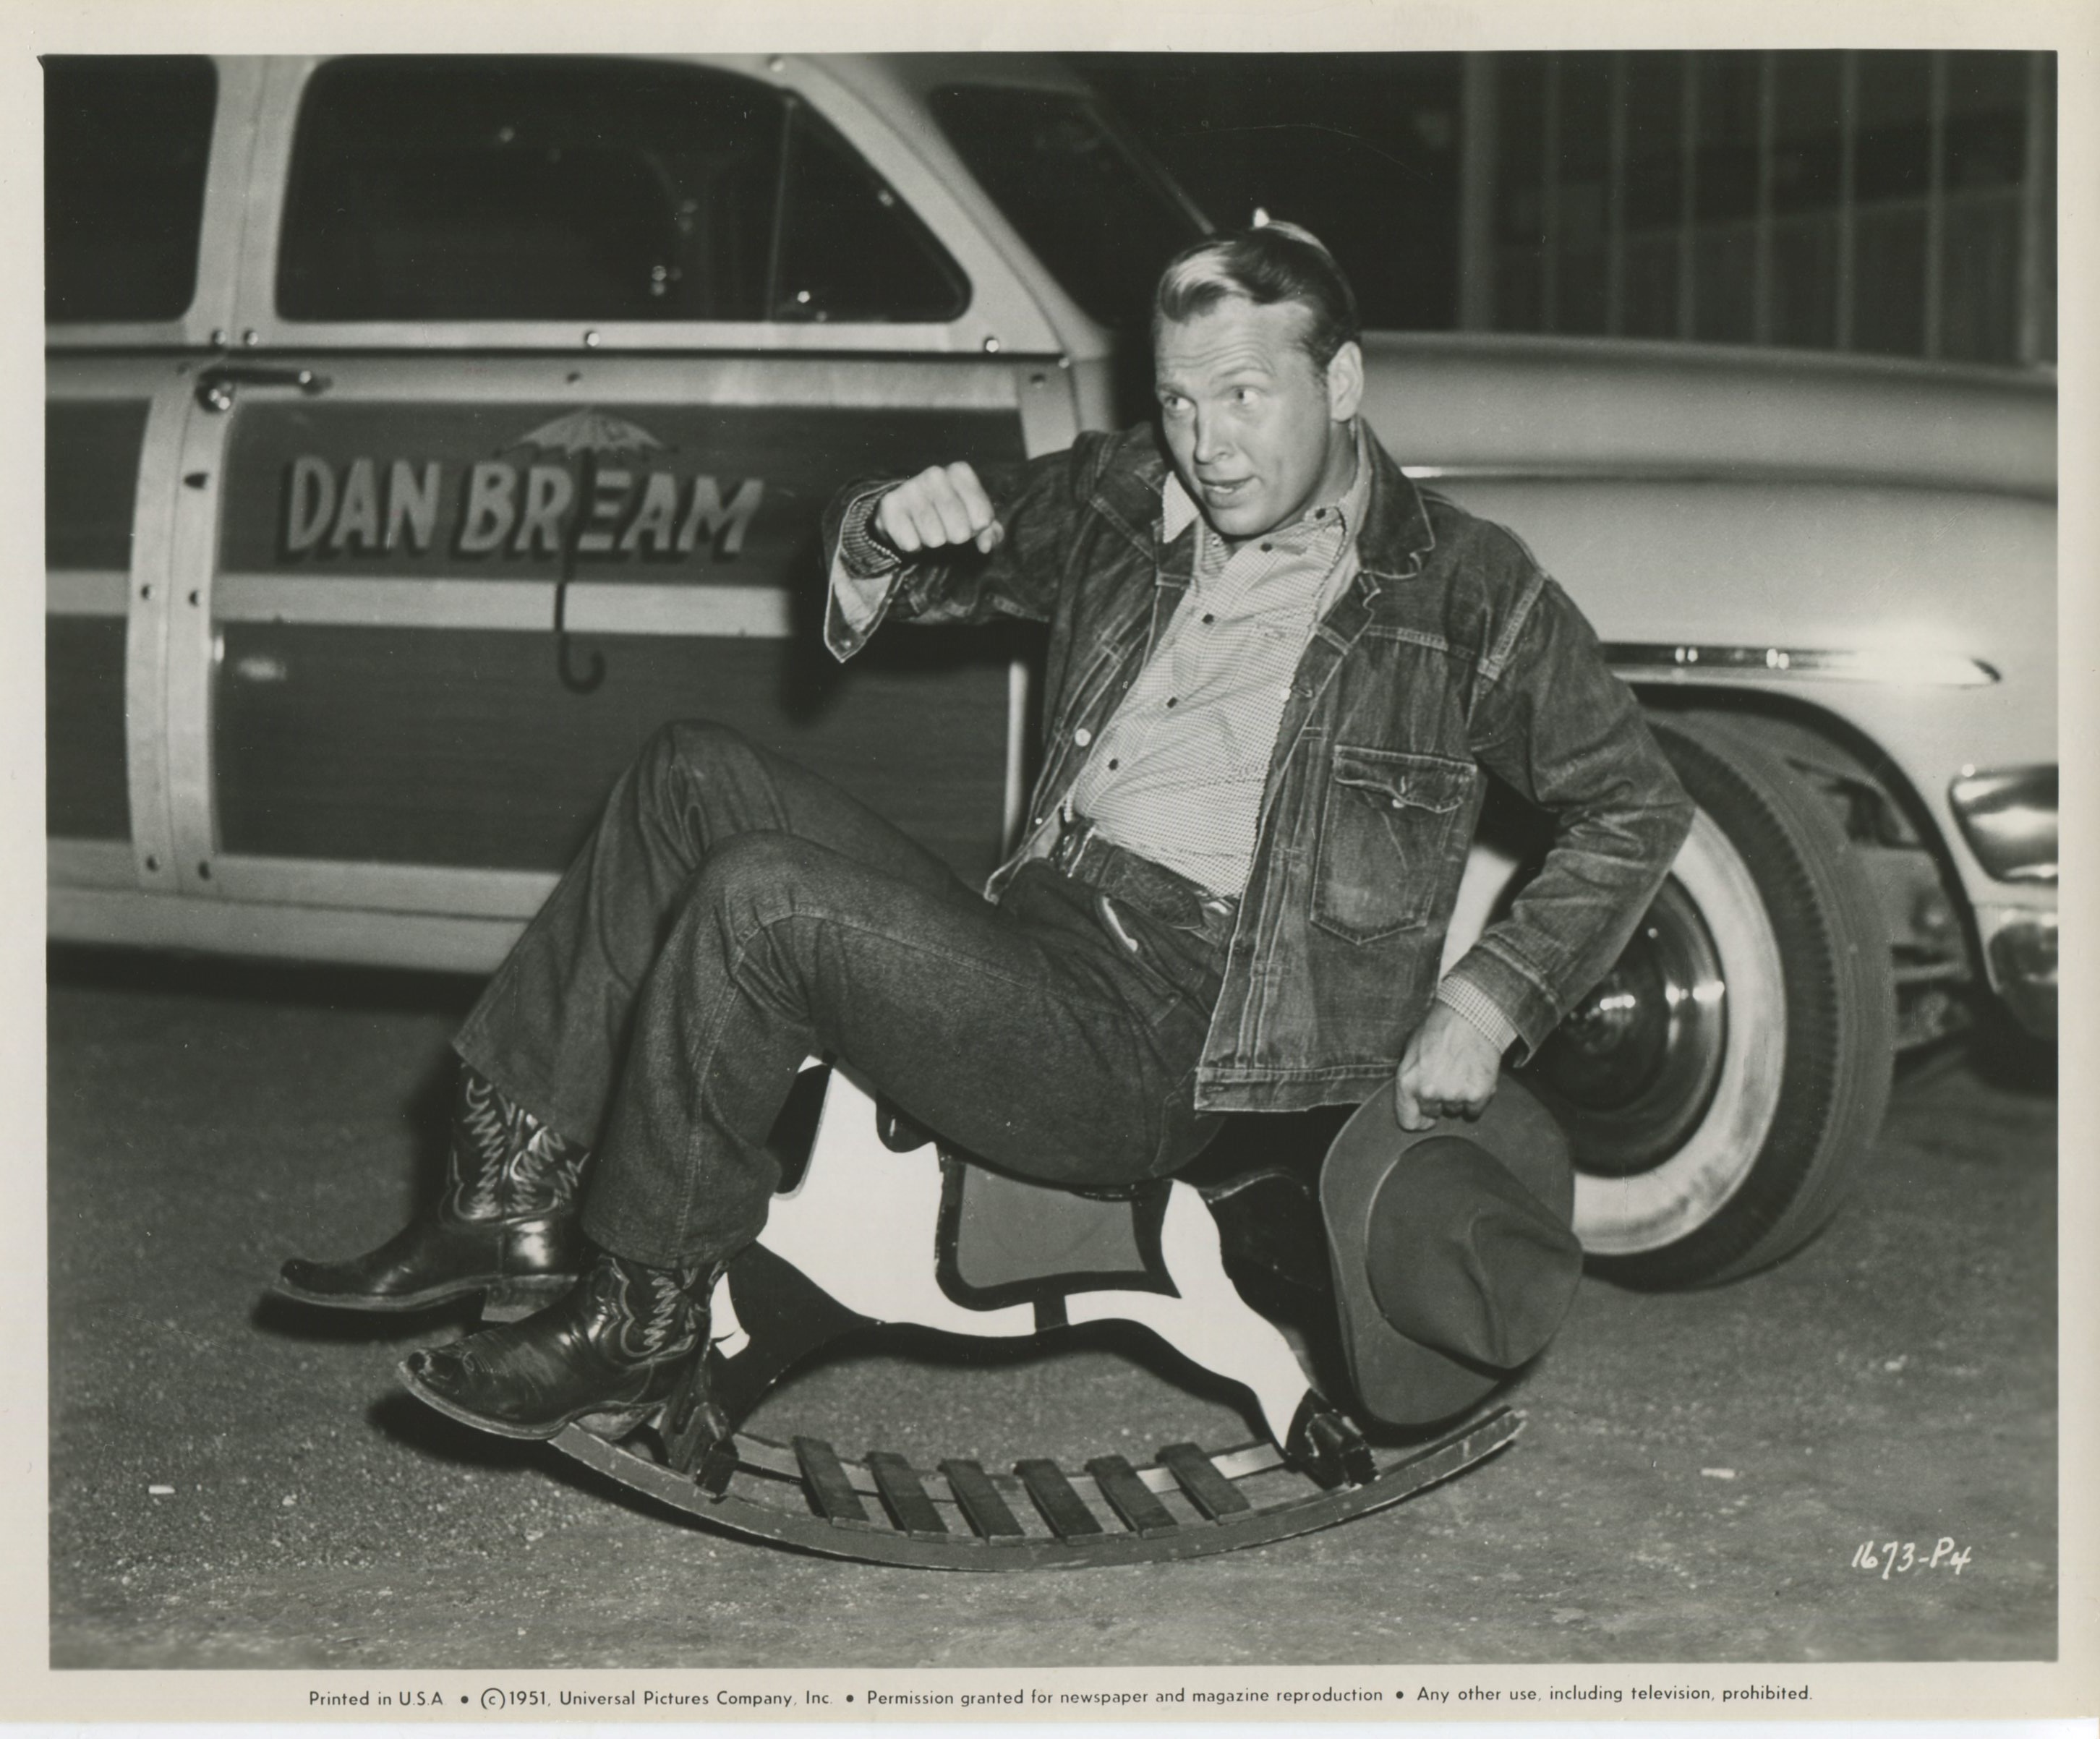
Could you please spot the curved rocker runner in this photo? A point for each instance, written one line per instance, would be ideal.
(1186, 1504)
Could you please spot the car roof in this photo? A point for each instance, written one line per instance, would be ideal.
(916, 74)
(1619, 405)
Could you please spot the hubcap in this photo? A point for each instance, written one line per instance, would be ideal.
(1633, 1069)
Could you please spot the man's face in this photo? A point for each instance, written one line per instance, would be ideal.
(1257, 432)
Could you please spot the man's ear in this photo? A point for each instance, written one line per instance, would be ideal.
(1345, 382)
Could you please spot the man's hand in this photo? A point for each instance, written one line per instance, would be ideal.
(1449, 1066)
(943, 506)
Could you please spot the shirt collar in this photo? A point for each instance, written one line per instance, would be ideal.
(1358, 495)
(1178, 510)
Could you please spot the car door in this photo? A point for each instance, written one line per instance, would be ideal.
(546, 367)
(145, 159)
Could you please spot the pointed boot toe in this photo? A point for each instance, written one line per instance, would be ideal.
(617, 1344)
(434, 1261)
(508, 1215)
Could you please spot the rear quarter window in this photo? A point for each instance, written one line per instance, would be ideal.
(531, 188)
(127, 140)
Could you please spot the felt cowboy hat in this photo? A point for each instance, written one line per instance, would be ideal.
(1454, 1256)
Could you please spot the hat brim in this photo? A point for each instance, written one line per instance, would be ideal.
(1400, 1380)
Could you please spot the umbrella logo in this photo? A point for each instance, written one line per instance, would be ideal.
(586, 435)
(587, 431)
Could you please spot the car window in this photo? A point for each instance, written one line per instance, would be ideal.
(126, 142)
(1096, 213)
(538, 188)
(849, 247)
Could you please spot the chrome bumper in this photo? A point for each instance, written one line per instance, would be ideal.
(2019, 950)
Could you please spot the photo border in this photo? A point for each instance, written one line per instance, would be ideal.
(2067, 1687)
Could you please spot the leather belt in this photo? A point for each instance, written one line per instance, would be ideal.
(1085, 855)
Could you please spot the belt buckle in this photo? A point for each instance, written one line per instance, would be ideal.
(1073, 840)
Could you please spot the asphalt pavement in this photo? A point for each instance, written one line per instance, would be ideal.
(235, 1483)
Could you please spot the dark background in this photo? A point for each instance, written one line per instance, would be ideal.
(1361, 149)
(1898, 202)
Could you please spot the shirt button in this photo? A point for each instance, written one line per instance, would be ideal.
(1267, 549)
(1171, 700)
(1082, 736)
(1113, 765)
(1209, 617)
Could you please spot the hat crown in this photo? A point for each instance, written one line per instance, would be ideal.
(1463, 1258)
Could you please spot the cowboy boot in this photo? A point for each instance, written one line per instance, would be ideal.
(621, 1344)
(508, 1212)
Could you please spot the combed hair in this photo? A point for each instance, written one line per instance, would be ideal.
(1270, 263)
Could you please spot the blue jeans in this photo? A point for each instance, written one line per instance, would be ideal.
(735, 913)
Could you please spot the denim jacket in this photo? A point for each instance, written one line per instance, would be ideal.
(1451, 652)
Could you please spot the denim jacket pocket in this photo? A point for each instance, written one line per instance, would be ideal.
(1385, 835)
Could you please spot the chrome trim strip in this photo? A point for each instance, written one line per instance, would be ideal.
(433, 889)
(191, 646)
(415, 940)
(1896, 667)
(89, 863)
(583, 337)
(1637, 472)
(683, 377)
(86, 591)
(132, 375)
(759, 612)
(147, 584)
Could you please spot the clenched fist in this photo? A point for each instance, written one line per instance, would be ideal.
(1450, 1068)
(943, 506)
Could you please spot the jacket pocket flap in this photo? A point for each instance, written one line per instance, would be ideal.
(1426, 782)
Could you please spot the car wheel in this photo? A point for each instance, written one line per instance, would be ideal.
(1725, 1082)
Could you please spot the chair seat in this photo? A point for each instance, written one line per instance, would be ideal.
(1003, 1240)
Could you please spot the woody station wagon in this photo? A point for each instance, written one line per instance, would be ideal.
(421, 433)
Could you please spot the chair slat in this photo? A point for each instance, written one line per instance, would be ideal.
(903, 1495)
(1208, 1488)
(829, 1488)
(1127, 1496)
(1062, 1507)
(981, 1503)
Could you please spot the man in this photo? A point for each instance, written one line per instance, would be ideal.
(1275, 671)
